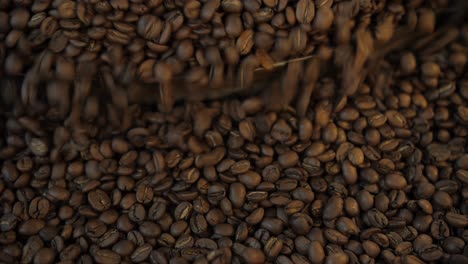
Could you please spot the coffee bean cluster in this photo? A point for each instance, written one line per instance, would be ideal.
(380, 176)
(357, 152)
(190, 43)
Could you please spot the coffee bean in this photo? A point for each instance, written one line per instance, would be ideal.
(323, 19)
(232, 6)
(333, 208)
(300, 223)
(141, 253)
(430, 253)
(233, 25)
(45, 255)
(248, 254)
(457, 220)
(247, 130)
(298, 38)
(106, 256)
(245, 41)
(109, 238)
(335, 236)
(99, 200)
(404, 248)
(31, 227)
(240, 167)
(305, 11)
(288, 159)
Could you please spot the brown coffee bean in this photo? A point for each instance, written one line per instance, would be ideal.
(233, 25)
(248, 254)
(31, 227)
(356, 156)
(462, 162)
(457, 220)
(49, 26)
(240, 167)
(124, 248)
(443, 199)
(245, 41)
(192, 9)
(237, 194)
(45, 255)
(106, 256)
(141, 253)
(99, 200)
(426, 21)
(298, 39)
(300, 223)
(430, 253)
(323, 19)
(395, 181)
(185, 50)
(347, 226)
(247, 130)
(288, 159)
(333, 208)
(13, 64)
(65, 69)
(232, 6)
(335, 236)
(19, 18)
(305, 11)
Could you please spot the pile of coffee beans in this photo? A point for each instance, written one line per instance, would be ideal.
(377, 177)
(207, 44)
(356, 152)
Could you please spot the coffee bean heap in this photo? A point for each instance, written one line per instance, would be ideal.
(62, 45)
(380, 176)
(357, 152)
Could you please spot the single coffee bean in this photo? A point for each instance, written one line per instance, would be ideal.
(237, 194)
(336, 237)
(245, 42)
(316, 252)
(273, 247)
(141, 253)
(431, 253)
(456, 220)
(248, 254)
(333, 208)
(99, 200)
(288, 159)
(404, 248)
(305, 11)
(106, 256)
(31, 227)
(45, 255)
(323, 19)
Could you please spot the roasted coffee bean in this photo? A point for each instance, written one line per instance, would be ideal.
(31, 227)
(305, 11)
(245, 41)
(377, 175)
(431, 253)
(456, 220)
(248, 254)
(106, 256)
(336, 236)
(288, 159)
(45, 255)
(99, 200)
(141, 253)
